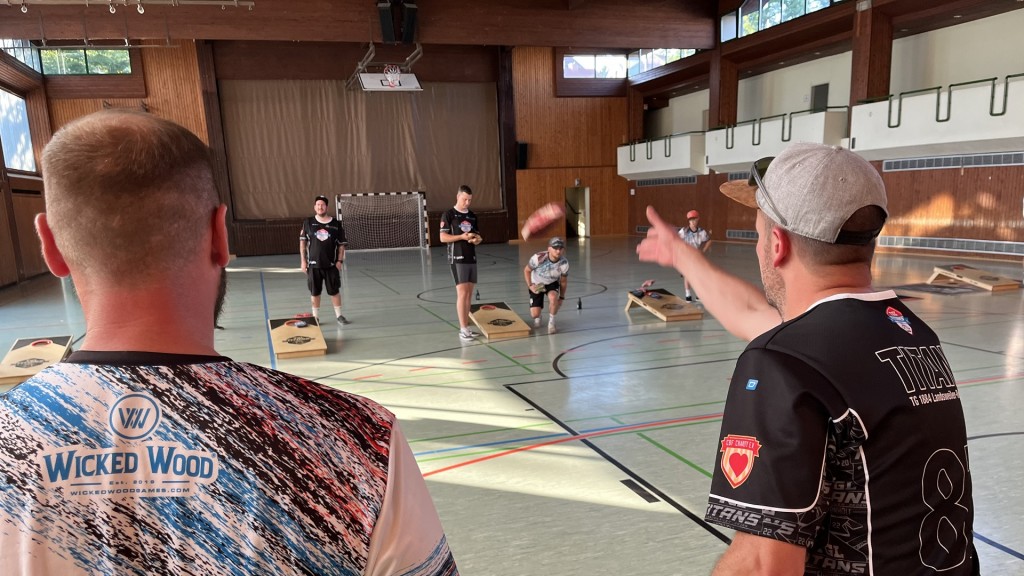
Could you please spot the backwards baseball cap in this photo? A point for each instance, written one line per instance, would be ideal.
(324, 198)
(811, 190)
(556, 242)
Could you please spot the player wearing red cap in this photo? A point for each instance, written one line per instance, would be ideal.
(697, 237)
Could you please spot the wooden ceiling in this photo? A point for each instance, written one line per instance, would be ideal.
(567, 23)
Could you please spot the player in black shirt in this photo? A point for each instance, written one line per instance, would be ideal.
(322, 251)
(843, 447)
(459, 231)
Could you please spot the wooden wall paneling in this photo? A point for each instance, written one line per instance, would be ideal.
(597, 23)
(251, 60)
(215, 130)
(26, 206)
(871, 55)
(609, 196)
(973, 203)
(717, 212)
(8, 255)
(508, 143)
(172, 91)
(100, 85)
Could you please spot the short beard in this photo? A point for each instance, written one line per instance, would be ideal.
(222, 291)
(774, 289)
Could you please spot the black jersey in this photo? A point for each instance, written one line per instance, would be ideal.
(322, 240)
(455, 223)
(844, 433)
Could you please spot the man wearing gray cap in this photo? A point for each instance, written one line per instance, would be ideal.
(843, 447)
(547, 272)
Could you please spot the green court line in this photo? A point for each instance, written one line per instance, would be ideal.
(511, 359)
(670, 452)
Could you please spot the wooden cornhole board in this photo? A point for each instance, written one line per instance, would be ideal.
(498, 322)
(30, 355)
(291, 340)
(974, 277)
(669, 307)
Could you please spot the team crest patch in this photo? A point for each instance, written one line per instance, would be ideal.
(738, 453)
(897, 317)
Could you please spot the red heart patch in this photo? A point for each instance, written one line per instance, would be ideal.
(738, 463)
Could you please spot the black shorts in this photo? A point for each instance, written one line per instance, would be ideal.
(318, 277)
(463, 273)
(537, 300)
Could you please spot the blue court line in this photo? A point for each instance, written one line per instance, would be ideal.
(266, 320)
(999, 546)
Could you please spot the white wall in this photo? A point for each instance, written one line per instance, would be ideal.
(970, 51)
(986, 48)
(789, 89)
(683, 114)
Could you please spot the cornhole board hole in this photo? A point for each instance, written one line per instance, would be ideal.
(497, 321)
(296, 337)
(668, 307)
(30, 355)
(974, 277)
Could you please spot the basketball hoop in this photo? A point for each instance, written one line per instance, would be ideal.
(393, 73)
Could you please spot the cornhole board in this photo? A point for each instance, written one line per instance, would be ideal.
(669, 307)
(974, 277)
(497, 321)
(292, 340)
(30, 355)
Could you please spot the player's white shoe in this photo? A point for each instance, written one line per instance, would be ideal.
(467, 334)
(536, 322)
(551, 326)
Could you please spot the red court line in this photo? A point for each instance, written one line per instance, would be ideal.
(524, 355)
(368, 377)
(667, 341)
(575, 437)
(474, 361)
(421, 368)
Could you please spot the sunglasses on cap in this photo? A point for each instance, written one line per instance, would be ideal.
(757, 172)
(848, 237)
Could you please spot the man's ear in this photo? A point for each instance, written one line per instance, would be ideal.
(219, 251)
(782, 247)
(51, 254)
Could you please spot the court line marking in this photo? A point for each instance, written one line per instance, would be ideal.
(266, 324)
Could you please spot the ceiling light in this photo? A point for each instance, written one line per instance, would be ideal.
(112, 9)
(140, 8)
(24, 9)
(955, 16)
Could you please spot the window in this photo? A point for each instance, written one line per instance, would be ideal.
(66, 61)
(729, 27)
(594, 66)
(756, 15)
(14, 135)
(22, 50)
(648, 59)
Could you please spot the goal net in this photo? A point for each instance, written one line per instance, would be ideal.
(383, 220)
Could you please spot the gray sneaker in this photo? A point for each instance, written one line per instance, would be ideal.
(343, 320)
(466, 334)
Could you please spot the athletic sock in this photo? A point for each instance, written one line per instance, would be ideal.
(337, 311)
(316, 314)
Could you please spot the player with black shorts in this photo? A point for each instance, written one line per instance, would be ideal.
(459, 231)
(547, 272)
(843, 447)
(322, 251)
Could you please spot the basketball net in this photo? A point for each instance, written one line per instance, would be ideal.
(393, 73)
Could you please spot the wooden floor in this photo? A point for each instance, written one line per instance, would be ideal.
(588, 451)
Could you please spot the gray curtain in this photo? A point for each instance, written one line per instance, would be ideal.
(291, 140)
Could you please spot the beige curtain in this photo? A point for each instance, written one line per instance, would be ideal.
(289, 141)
